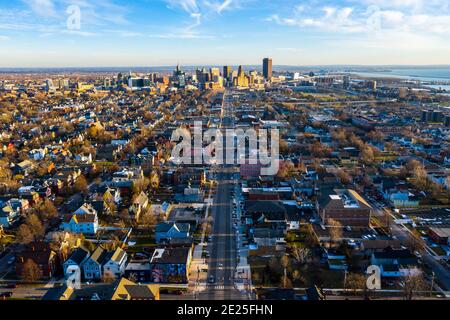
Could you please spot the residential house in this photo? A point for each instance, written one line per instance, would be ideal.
(23, 168)
(112, 195)
(77, 258)
(115, 266)
(11, 210)
(267, 212)
(161, 209)
(395, 262)
(128, 290)
(139, 271)
(403, 199)
(171, 265)
(122, 289)
(84, 220)
(168, 231)
(140, 203)
(93, 266)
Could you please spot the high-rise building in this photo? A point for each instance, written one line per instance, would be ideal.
(447, 121)
(179, 77)
(49, 85)
(346, 82)
(214, 74)
(203, 76)
(437, 116)
(241, 80)
(267, 68)
(227, 72)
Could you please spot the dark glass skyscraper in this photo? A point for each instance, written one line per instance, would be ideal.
(227, 71)
(267, 68)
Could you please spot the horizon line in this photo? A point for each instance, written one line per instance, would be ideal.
(232, 65)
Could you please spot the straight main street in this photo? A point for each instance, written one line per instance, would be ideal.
(223, 247)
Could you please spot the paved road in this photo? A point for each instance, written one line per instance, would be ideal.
(5, 268)
(402, 233)
(223, 248)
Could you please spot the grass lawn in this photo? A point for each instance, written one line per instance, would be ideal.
(142, 241)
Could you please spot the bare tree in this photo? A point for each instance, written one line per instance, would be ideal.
(356, 282)
(35, 225)
(24, 234)
(335, 230)
(81, 185)
(46, 210)
(301, 253)
(414, 283)
(31, 271)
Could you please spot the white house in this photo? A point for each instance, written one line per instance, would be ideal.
(115, 266)
(78, 257)
(84, 220)
(93, 266)
(8, 216)
(10, 211)
(402, 198)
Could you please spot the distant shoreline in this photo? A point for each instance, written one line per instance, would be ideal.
(332, 68)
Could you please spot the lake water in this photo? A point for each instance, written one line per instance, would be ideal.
(437, 87)
(423, 74)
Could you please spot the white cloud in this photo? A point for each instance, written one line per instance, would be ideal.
(363, 20)
(44, 8)
(200, 10)
(190, 6)
(332, 20)
(4, 38)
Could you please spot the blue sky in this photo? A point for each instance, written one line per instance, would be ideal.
(35, 33)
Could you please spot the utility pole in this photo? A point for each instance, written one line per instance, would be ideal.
(432, 283)
(345, 280)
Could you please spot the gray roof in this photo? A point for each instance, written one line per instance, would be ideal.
(79, 255)
(166, 226)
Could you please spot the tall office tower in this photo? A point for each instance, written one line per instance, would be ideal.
(227, 72)
(215, 72)
(153, 76)
(241, 71)
(179, 77)
(447, 121)
(346, 82)
(267, 68)
(437, 116)
(49, 85)
(372, 85)
(107, 83)
(241, 80)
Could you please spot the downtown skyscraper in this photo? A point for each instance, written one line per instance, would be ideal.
(267, 68)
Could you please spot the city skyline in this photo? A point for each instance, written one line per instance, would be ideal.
(42, 33)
